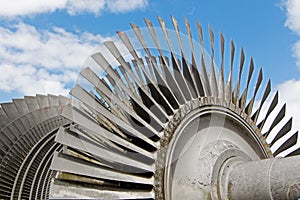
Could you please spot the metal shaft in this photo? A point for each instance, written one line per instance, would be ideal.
(274, 179)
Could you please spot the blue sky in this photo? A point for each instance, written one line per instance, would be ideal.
(43, 44)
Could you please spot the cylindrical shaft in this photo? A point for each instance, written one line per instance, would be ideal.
(274, 179)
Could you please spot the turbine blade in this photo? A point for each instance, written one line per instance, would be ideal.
(270, 109)
(265, 96)
(236, 91)
(212, 75)
(228, 86)
(283, 131)
(221, 88)
(242, 101)
(249, 107)
(277, 119)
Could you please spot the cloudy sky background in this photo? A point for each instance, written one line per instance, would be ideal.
(43, 44)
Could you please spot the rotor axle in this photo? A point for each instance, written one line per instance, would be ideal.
(274, 178)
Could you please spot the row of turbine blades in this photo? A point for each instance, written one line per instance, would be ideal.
(111, 147)
(27, 131)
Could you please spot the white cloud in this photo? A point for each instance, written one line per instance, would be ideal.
(17, 8)
(296, 51)
(30, 80)
(21, 7)
(293, 15)
(24, 44)
(48, 61)
(289, 93)
(42, 61)
(292, 8)
(119, 6)
(74, 7)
